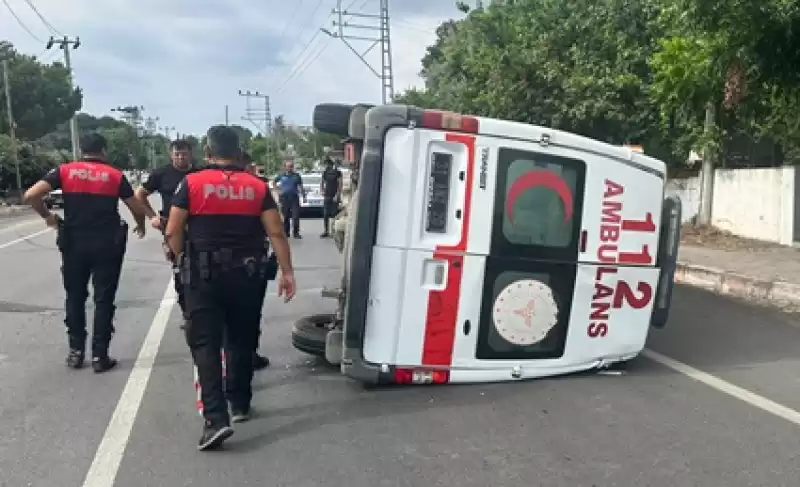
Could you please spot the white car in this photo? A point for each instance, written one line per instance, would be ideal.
(314, 200)
(54, 199)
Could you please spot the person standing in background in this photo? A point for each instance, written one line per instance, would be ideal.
(290, 187)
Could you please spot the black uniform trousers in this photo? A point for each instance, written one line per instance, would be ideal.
(99, 259)
(290, 210)
(329, 211)
(224, 310)
(176, 274)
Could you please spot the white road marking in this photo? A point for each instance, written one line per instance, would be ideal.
(17, 226)
(23, 239)
(740, 393)
(108, 457)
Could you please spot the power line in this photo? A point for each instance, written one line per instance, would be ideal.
(298, 66)
(297, 38)
(41, 17)
(20, 22)
(291, 19)
(386, 74)
(302, 68)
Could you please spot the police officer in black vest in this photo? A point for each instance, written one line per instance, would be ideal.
(92, 241)
(229, 212)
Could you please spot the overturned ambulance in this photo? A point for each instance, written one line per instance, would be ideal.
(480, 250)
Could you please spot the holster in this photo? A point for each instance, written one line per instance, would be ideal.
(183, 266)
(271, 267)
(62, 237)
(121, 237)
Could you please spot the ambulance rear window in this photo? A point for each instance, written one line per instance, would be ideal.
(537, 200)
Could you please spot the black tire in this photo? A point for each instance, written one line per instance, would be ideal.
(309, 333)
(332, 118)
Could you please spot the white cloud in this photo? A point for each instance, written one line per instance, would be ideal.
(185, 61)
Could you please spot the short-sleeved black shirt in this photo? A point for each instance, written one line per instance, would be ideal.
(222, 221)
(164, 181)
(331, 177)
(91, 189)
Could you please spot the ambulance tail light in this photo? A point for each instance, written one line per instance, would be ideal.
(421, 376)
(442, 120)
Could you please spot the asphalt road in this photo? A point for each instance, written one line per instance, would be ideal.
(651, 426)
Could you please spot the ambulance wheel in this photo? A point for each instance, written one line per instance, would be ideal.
(309, 333)
(332, 118)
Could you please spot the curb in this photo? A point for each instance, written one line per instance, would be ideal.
(728, 283)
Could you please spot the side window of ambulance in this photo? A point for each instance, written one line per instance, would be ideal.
(537, 197)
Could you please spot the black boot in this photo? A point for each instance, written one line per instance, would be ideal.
(260, 362)
(76, 358)
(214, 435)
(103, 364)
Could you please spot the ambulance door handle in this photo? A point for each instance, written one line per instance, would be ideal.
(467, 327)
(458, 214)
(434, 274)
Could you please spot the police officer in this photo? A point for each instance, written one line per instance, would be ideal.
(164, 181)
(92, 241)
(290, 186)
(331, 189)
(223, 261)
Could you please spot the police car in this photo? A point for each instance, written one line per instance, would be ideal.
(314, 201)
(54, 199)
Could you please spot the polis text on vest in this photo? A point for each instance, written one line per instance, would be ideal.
(229, 192)
(88, 174)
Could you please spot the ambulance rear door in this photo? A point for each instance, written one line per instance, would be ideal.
(527, 203)
(420, 246)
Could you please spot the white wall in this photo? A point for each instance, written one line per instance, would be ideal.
(755, 203)
(688, 190)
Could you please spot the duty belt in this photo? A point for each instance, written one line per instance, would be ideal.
(253, 261)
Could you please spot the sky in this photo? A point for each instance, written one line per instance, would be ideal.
(184, 61)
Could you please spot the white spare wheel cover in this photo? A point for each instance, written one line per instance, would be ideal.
(525, 312)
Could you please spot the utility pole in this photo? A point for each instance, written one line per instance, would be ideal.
(132, 115)
(12, 127)
(707, 181)
(168, 131)
(150, 132)
(384, 39)
(226, 115)
(260, 117)
(65, 44)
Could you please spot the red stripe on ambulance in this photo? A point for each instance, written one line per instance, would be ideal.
(442, 313)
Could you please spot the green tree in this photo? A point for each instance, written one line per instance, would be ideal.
(568, 64)
(42, 96)
(738, 58)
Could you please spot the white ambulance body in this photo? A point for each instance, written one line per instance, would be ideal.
(487, 250)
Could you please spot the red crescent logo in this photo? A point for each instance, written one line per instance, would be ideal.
(533, 179)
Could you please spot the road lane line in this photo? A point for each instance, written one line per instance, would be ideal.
(714, 382)
(23, 239)
(108, 457)
(23, 224)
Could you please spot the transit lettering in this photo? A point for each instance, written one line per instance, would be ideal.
(229, 192)
(88, 175)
